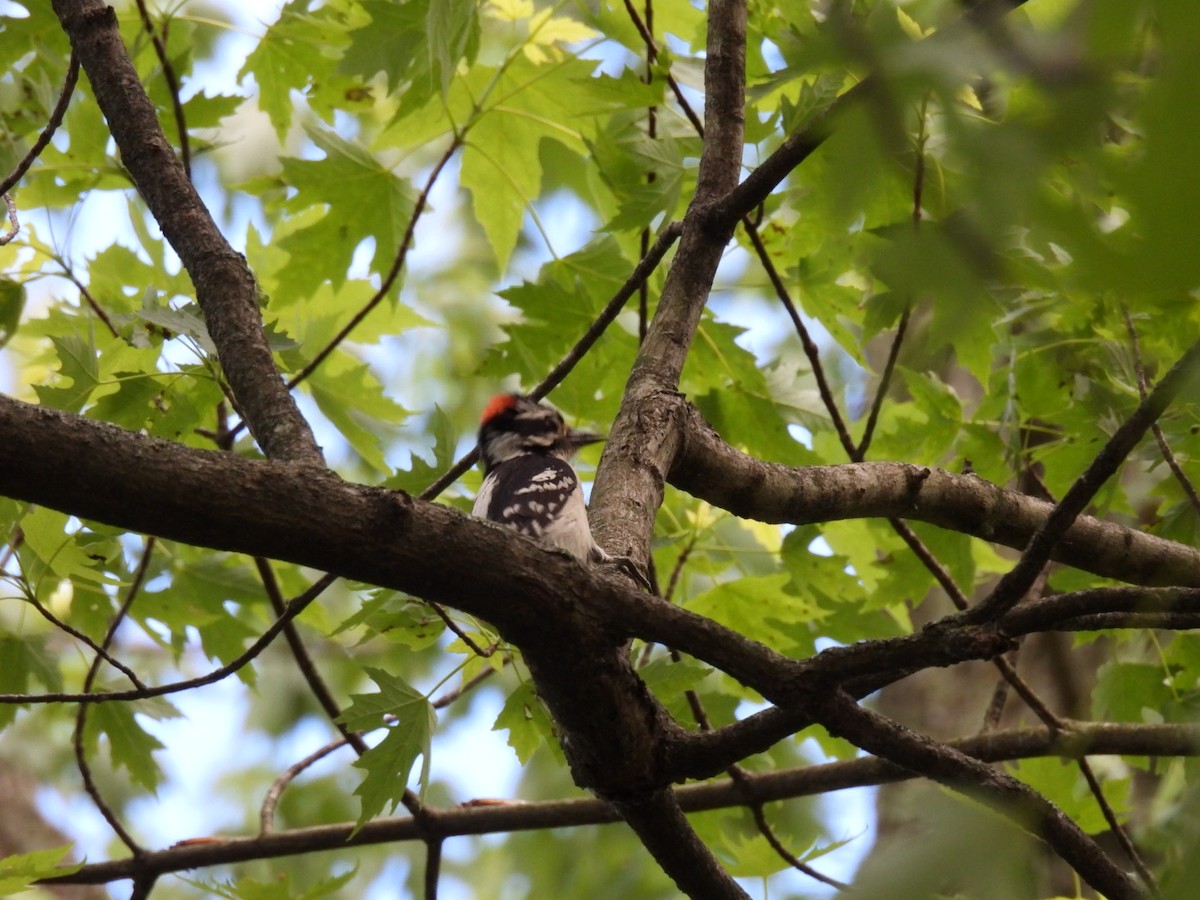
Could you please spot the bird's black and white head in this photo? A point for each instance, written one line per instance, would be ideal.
(513, 425)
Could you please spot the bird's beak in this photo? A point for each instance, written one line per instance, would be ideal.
(577, 439)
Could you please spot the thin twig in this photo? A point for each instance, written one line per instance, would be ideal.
(43, 139)
(388, 280)
(86, 295)
(393, 273)
(85, 769)
(160, 50)
(294, 608)
(652, 54)
(271, 798)
(1117, 829)
(266, 813)
(742, 779)
(680, 562)
(768, 831)
(14, 221)
(100, 650)
(484, 652)
(959, 599)
(651, 176)
(467, 686)
(994, 713)
(1164, 448)
(316, 684)
(885, 381)
(640, 273)
(811, 351)
(672, 582)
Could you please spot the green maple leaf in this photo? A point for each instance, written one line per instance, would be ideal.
(389, 764)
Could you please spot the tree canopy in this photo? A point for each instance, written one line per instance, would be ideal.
(888, 310)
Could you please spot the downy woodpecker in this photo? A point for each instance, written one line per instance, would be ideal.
(528, 483)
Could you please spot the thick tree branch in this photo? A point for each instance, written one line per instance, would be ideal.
(275, 510)
(225, 287)
(642, 443)
(1130, 604)
(99, 471)
(712, 470)
(623, 729)
(665, 832)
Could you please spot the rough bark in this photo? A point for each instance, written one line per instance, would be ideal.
(225, 286)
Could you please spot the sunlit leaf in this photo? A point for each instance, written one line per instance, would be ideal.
(388, 764)
(18, 872)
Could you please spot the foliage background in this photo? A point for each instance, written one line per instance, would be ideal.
(1010, 200)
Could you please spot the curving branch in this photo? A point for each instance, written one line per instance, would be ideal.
(294, 607)
(81, 715)
(47, 133)
(225, 287)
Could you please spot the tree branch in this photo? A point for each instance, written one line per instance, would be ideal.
(883, 737)
(225, 287)
(1013, 585)
(714, 471)
(642, 443)
(47, 133)
(1083, 737)
(665, 832)
(99, 471)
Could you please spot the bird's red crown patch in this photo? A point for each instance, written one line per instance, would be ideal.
(498, 404)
